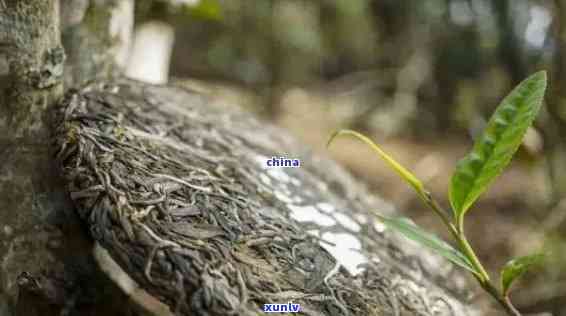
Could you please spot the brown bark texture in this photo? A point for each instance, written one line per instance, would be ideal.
(45, 255)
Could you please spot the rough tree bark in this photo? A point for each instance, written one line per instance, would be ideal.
(45, 254)
(32, 51)
(46, 267)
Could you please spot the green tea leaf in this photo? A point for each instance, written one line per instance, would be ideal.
(516, 268)
(495, 148)
(413, 232)
(403, 173)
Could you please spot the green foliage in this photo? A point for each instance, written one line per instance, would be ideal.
(206, 10)
(515, 268)
(491, 153)
(406, 227)
(495, 148)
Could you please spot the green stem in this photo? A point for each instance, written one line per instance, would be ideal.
(457, 233)
(438, 210)
(469, 252)
(481, 275)
(503, 300)
(484, 281)
(509, 307)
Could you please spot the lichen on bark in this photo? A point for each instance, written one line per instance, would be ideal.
(44, 253)
(30, 38)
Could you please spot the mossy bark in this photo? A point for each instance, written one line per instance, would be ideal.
(45, 254)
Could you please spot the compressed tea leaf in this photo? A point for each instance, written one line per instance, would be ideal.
(175, 188)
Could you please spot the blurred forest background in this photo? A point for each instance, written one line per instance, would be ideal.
(419, 77)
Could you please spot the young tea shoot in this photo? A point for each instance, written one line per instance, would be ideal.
(491, 153)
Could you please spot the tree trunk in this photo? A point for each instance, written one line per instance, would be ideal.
(45, 253)
(555, 131)
(32, 202)
(96, 36)
(509, 49)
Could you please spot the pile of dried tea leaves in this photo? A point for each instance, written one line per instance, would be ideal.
(176, 189)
